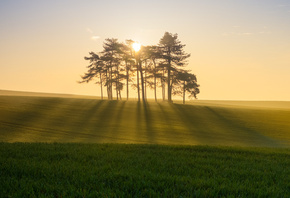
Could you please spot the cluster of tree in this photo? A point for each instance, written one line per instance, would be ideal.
(151, 67)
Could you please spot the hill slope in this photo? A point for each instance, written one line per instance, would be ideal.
(43, 94)
(49, 119)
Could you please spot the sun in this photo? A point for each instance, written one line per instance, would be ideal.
(136, 46)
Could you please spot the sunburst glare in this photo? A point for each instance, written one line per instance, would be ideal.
(136, 46)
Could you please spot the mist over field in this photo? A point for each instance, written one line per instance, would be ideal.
(71, 119)
(78, 146)
(145, 98)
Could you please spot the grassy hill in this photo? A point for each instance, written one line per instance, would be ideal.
(43, 94)
(142, 167)
(227, 123)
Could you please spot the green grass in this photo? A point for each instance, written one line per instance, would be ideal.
(77, 147)
(119, 170)
(41, 119)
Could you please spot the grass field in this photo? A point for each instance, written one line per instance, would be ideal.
(48, 119)
(84, 147)
(118, 170)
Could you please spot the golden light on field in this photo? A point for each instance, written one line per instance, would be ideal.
(235, 46)
(136, 46)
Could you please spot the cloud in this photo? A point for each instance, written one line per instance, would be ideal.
(89, 30)
(95, 38)
(237, 34)
(238, 31)
(247, 33)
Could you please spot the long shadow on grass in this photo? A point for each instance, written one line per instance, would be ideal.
(150, 131)
(73, 124)
(139, 117)
(145, 129)
(105, 122)
(167, 118)
(194, 121)
(139, 120)
(209, 125)
(61, 121)
(244, 131)
(34, 110)
(118, 118)
(76, 126)
(86, 116)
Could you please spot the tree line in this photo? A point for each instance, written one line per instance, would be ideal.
(155, 67)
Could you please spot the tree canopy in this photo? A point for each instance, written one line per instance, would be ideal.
(153, 67)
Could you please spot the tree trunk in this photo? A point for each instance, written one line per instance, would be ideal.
(108, 85)
(127, 79)
(117, 82)
(169, 79)
(138, 87)
(145, 83)
(155, 94)
(163, 85)
(168, 85)
(111, 84)
(101, 85)
(183, 92)
(117, 91)
(142, 81)
(108, 90)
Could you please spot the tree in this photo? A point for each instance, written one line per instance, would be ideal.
(111, 55)
(140, 55)
(152, 54)
(127, 57)
(94, 69)
(117, 64)
(173, 54)
(186, 82)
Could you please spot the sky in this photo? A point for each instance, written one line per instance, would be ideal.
(240, 49)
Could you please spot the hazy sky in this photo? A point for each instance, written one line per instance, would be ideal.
(240, 49)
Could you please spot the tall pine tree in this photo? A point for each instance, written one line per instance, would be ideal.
(172, 52)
